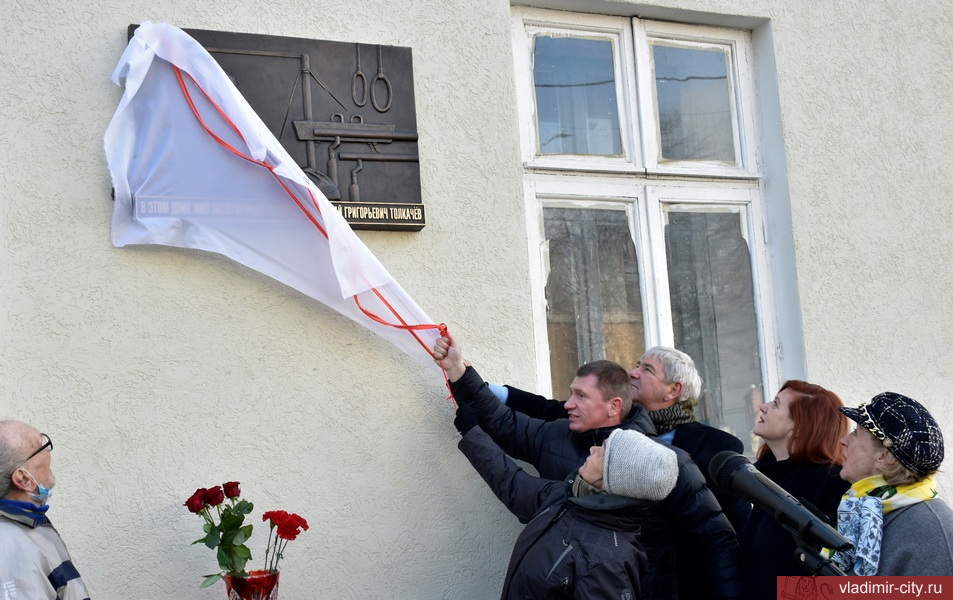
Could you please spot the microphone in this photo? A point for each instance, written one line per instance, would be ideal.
(735, 473)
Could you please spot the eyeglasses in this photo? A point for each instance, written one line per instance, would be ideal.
(48, 444)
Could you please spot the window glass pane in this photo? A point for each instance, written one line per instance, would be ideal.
(713, 314)
(594, 307)
(694, 104)
(576, 106)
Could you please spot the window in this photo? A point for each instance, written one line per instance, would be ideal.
(576, 97)
(713, 308)
(593, 301)
(645, 204)
(696, 99)
(693, 104)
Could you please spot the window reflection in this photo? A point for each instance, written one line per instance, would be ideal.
(713, 314)
(694, 104)
(594, 307)
(576, 106)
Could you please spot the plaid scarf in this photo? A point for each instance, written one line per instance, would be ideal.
(860, 519)
(667, 419)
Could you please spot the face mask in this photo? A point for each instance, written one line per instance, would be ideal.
(42, 494)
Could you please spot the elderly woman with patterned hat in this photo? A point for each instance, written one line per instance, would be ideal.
(892, 513)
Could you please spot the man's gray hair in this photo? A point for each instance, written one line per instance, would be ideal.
(11, 453)
(679, 368)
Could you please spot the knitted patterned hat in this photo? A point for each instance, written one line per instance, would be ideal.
(905, 428)
(638, 467)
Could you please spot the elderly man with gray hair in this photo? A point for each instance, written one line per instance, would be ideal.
(666, 383)
(34, 561)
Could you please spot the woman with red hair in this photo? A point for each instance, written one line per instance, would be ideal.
(801, 431)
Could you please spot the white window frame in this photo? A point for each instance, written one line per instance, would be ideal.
(555, 190)
(619, 33)
(746, 200)
(644, 202)
(742, 96)
(638, 188)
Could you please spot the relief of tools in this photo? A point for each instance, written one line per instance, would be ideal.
(339, 132)
(360, 87)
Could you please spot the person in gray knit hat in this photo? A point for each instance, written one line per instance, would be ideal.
(579, 541)
(892, 513)
(629, 464)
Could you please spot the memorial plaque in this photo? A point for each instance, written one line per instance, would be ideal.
(344, 111)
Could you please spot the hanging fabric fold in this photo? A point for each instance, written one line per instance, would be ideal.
(193, 166)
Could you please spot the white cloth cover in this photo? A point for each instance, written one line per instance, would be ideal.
(175, 185)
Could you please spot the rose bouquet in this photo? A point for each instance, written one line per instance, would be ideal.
(226, 532)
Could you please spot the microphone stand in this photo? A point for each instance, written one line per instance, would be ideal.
(805, 542)
(813, 561)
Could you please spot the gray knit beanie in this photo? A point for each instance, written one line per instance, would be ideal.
(638, 467)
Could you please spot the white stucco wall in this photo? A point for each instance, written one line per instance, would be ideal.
(157, 371)
(867, 125)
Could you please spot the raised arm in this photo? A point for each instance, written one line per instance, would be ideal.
(520, 492)
(534, 405)
(517, 434)
(449, 356)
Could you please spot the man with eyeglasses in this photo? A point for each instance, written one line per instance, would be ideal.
(34, 561)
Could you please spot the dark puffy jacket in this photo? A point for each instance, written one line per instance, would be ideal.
(702, 443)
(689, 519)
(571, 548)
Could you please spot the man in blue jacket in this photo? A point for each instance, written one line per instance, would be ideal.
(688, 521)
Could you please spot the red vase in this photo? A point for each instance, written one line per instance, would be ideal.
(258, 585)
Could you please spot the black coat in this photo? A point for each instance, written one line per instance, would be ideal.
(689, 518)
(550, 446)
(768, 549)
(701, 441)
(571, 548)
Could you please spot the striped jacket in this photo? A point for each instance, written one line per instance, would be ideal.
(34, 562)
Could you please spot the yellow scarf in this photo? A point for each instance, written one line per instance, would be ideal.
(893, 497)
(860, 518)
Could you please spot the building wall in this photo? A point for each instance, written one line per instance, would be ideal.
(867, 132)
(158, 370)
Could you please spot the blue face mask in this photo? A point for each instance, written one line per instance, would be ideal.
(42, 494)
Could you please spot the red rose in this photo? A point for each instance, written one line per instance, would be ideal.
(214, 496)
(232, 489)
(196, 503)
